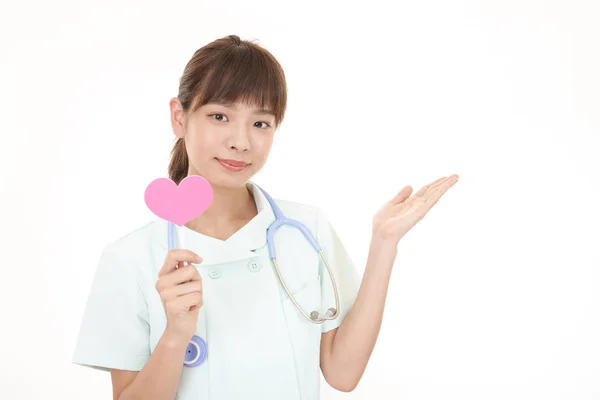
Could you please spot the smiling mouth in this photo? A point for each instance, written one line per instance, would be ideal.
(232, 165)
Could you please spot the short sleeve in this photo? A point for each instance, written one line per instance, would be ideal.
(114, 331)
(343, 269)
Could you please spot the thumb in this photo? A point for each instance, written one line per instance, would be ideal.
(402, 195)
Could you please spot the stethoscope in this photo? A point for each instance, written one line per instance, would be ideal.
(196, 351)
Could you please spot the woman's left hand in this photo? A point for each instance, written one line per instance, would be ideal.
(400, 214)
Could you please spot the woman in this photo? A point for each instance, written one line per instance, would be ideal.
(147, 302)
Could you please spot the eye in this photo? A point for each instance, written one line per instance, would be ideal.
(267, 125)
(218, 117)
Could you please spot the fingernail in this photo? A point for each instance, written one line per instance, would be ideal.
(198, 259)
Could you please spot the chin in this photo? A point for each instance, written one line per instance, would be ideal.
(230, 181)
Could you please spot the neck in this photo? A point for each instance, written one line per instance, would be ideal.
(228, 207)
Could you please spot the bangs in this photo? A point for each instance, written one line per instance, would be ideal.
(242, 74)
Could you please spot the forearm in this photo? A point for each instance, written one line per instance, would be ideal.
(159, 379)
(355, 338)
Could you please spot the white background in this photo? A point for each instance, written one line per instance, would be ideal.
(494, 295)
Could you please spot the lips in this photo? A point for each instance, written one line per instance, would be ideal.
(233, 163)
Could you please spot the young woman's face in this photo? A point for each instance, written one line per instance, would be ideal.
(226, 143)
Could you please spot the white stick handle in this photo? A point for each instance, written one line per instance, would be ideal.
(180, 241)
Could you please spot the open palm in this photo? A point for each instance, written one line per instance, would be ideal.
(397, 216)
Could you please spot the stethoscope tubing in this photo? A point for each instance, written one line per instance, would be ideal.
(196, 352)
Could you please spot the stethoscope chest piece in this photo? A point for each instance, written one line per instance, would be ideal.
(196, 352)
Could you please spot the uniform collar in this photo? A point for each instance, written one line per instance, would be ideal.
(240, 246)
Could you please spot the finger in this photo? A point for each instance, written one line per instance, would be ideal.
(437, 192)
(439, 184)
(402, 195)
(189, 273)
(186, 302)
(180, 290)
(189, 301)
(422, 191)
(175, 257)
(445, 184)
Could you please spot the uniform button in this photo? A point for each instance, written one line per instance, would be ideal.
(214, 273)
(254, 266)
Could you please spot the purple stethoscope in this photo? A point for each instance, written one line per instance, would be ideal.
(197, 350)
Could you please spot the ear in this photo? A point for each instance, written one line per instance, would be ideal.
(177, 117)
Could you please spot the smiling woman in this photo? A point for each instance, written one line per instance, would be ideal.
(249, 333)
(252, 341)
(220, 79)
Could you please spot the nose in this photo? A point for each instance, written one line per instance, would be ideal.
(239, 138)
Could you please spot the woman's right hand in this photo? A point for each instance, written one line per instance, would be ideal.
(180, 289)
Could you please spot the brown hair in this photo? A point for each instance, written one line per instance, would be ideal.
(228, 70)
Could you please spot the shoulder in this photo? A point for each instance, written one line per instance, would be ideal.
(297, 208)
(300, 211)
(312, 216)
(137, 236)
(133, 245)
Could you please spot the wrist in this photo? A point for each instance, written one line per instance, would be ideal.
(381, 257)
(383, 245)
(173, 340)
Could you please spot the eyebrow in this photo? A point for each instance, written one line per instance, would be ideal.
(258, 111)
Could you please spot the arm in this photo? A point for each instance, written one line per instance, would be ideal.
(159, 379)
(346, 350)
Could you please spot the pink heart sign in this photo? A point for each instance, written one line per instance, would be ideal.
(179, 204)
